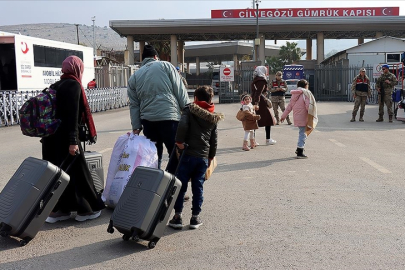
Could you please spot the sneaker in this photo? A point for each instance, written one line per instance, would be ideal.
(57, 216)
(270, 142)
(84, 217)
(195, 222)
(176, 222)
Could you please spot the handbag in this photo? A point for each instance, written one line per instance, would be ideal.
(211, 168)
(268, 102)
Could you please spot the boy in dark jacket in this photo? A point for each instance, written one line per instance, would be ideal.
(198, 129)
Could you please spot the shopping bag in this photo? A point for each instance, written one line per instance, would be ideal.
(138, 151)
(211, 168)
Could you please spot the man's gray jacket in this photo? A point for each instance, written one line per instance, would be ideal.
(156, 93)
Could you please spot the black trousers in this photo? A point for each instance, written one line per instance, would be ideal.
(162, 132)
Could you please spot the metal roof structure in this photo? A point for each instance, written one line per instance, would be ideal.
(271, 28)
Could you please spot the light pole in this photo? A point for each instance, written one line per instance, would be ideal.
(94, 37)
(257, 30)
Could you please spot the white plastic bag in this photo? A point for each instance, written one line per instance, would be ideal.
(138, 151)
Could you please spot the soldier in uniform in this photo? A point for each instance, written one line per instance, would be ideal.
(385, 86)
(361, 90)
(277, 89)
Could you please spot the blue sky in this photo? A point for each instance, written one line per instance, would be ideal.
(81, 12)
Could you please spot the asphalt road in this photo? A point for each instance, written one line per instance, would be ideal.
(342, 208)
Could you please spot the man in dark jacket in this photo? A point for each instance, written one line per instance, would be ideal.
(198, 129)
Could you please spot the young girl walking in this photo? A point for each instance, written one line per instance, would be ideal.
(249, 121)
(303, 105)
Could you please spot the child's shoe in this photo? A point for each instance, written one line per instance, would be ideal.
(195, 222)
(253, 143)
(176, 222)
(245, 146)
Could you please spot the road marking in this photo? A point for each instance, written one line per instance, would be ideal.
(105, 150)
(375, 165)
(337, 143)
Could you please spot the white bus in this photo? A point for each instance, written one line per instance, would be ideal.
(28, 63)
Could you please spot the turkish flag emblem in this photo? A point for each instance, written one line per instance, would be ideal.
(386, 11)
(227, 14)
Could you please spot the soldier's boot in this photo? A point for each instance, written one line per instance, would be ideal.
(390, 118)
(380, 119)
(300, 153)
(245, 146)
(288, 120)
(361, 117)
(278, 120)
(353, 117)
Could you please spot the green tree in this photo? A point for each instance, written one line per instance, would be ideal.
(289, 53)
(275, 64)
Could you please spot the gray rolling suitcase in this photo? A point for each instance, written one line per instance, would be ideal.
(144, 207)
(29, 197)
(94, 161)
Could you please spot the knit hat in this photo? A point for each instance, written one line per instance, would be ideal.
(385, 66)
(149, 52)
(362, 69)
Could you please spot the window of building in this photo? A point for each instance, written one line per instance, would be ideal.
(52, 57)
(393, 57)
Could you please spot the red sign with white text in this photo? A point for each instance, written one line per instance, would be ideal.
(306, 12)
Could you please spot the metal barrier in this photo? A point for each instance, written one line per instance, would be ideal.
(100, 99)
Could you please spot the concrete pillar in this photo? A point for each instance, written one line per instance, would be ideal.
(262, 46)
(378, 34)
(173, 49)
(197, 65)
(130, 48)
(320, 49)
(180, 51)
(309, 49)
(360, 40)
(235, 62)
(141, 47)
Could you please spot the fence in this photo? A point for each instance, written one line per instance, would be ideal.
(114, 76)
(100, 99)
(230, 92)
(333, 83)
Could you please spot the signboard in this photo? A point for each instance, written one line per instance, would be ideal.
(377, 70)
(305, 12)
(226, 74)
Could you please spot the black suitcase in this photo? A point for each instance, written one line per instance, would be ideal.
(29, 197)
(144, 207)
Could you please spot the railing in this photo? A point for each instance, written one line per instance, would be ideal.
(100, 99)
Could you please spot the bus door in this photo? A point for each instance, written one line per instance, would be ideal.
(8, 71)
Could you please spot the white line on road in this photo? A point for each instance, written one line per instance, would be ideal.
(105, 150)
(375, 165)
(337, 143)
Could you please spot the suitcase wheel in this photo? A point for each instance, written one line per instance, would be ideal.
(110, 230)
(24, 241)
(151, 245)
(126, 237)
(135, 238)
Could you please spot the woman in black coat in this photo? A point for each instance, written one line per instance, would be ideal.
(80, 195)
(259, 88)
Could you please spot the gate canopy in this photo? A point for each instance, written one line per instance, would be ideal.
(271, 28)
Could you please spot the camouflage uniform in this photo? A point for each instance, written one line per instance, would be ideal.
(278, 98)
(360, 90)
(387, 99)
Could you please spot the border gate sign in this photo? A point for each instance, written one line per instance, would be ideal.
(226, 74)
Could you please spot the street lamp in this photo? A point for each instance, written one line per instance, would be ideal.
(94, 37)
(257, 29)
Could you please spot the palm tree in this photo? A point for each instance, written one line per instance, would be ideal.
(289, 53)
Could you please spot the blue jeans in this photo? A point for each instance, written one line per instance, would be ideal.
(302, 137)
(191, 168)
